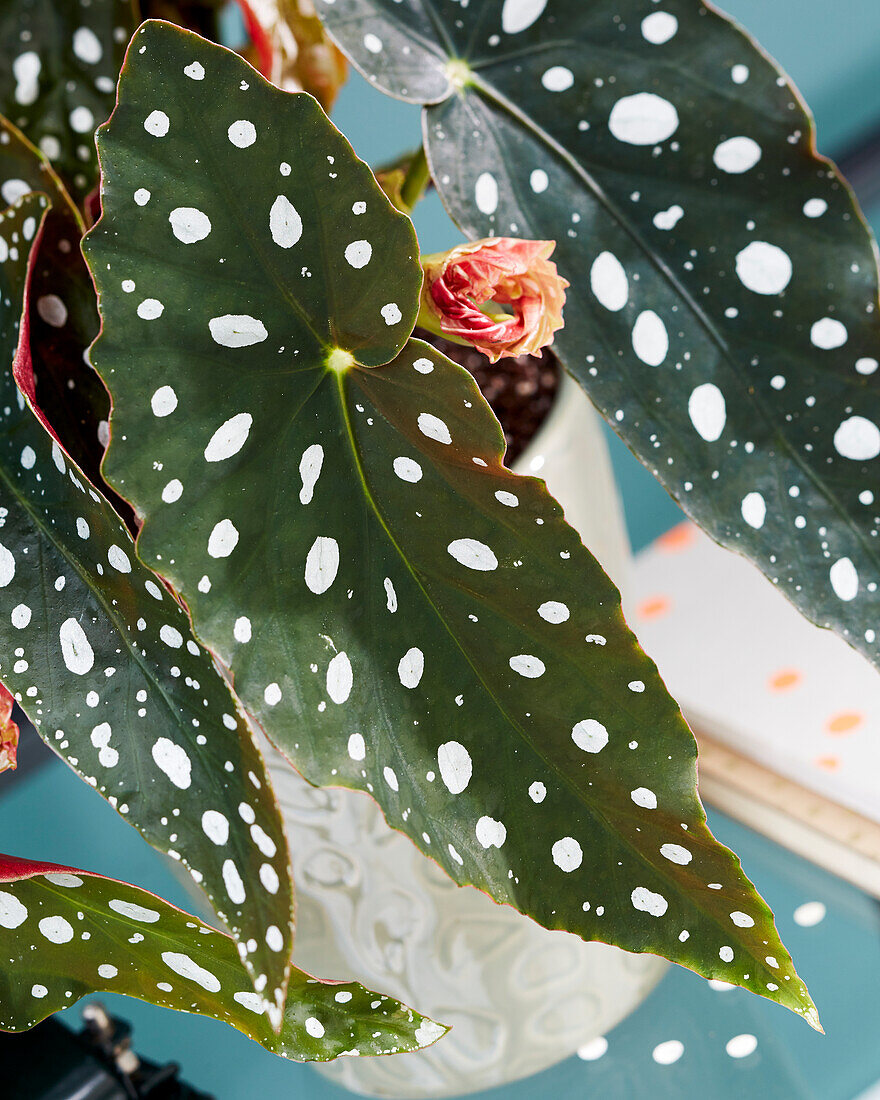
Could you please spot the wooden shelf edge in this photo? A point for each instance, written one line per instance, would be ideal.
(835, 838)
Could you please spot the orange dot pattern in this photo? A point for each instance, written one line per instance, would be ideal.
(784, 680)
(654, 607)
(845, 722)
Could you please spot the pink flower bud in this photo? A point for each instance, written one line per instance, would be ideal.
(8, 732)
(465, 288)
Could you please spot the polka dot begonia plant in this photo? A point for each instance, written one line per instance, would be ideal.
(327, 541)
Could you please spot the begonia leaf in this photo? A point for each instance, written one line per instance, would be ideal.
(65, 933)
(58, 65)
(102, 660)
(723, 307)
(63, 311)
(401, 613)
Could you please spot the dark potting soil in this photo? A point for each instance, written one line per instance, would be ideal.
(520, 391)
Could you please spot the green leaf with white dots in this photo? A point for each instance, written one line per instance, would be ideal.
(63, 312)
(401, 613)
(102, 659)
(58, 65)
(65, 933)
(723, 307)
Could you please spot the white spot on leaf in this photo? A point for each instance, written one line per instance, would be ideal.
(339, 678)
(157, 123)
(558, 78)
(590, 735)
(237, 330)
(359, 253)
(857, 438)
(650, 339)
(133, 911)
(567, 854)
(87, 46)
(737, 155)
(184, 966)
(12, 913)
(164, 401)
(174, 762)
(52, 310)
(56, 929)
(215, 826)
(172, 491)
(229, 438)
(79, 657)
(676, 854)
(490, 833)
(708, 411)
(285, 224)
(659, 27)
(646, 901)
(608, 282)
(322, 564)
(411, 667)
(223, 539)
(233, 883)
(527, 665)
(754, 509)
(242, 133)
(486, 193)
(554, 612)
(309, 471)
(519, 15)
(189, 225)
(407, 469)
(456, 766)
(434, 428)
(643, 119)
(668, 219)
(763, 268)
(844, 579)
(473, 554)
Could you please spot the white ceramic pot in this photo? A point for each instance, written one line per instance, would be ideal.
(371, 906)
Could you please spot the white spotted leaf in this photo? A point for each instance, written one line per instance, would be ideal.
(737, 360)
(58, 65)
(66, 933)
(62, 313)
(102, 659)
(401, 613)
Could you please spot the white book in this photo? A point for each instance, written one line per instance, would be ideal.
(786, 715)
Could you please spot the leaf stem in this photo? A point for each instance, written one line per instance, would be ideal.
(416, 180)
